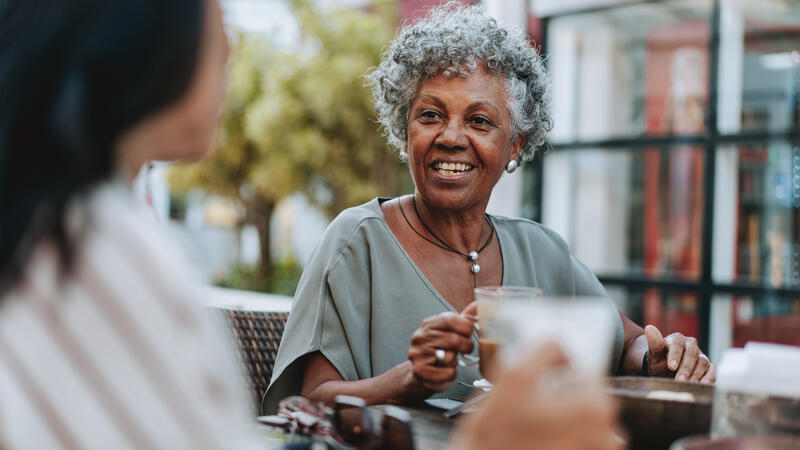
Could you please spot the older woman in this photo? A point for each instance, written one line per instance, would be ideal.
(464, 99)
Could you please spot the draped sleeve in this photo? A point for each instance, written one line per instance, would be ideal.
(330, 312)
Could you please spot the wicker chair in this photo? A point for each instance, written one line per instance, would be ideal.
(257, 335)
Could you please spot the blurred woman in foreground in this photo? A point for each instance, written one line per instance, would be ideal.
(100, 344)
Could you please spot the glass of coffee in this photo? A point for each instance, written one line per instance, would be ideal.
(490, 300)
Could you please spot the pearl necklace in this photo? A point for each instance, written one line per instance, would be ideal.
(471, 257)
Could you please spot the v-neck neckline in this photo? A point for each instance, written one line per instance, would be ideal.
(379, 212)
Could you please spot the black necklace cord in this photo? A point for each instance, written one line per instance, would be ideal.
(471, 257)
(448, 246)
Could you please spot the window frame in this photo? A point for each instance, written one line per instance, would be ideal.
(705, 287)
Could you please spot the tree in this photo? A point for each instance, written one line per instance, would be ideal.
(302, 122)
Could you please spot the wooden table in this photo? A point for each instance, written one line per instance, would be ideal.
(431, 429)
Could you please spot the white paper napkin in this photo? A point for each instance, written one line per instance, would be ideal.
(761, 368)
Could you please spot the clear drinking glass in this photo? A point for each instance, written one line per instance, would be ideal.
(583, 326)
(490, 300)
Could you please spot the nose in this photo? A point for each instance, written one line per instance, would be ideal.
(452, 136)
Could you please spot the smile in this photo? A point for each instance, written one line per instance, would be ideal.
(452, 169)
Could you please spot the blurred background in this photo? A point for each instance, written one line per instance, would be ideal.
(673, 170)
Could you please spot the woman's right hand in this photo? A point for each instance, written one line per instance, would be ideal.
(450, 332)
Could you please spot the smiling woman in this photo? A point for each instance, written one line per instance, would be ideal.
(464, 99)
(459, 139)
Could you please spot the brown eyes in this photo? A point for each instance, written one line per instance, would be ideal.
(479, 122)
(428, 114)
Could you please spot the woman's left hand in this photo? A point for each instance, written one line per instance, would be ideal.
(679, 356)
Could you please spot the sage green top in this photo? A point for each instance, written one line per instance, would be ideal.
(361, 297)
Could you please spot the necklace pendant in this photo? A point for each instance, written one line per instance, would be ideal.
(473, 256)
(475, 268)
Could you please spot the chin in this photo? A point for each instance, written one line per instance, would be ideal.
(202, 153)
(449, 201)
(192, 153)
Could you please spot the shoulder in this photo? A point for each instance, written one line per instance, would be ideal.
(124, 230)
(352, 229)
(111, 210)
(528, 232)
(354, 218)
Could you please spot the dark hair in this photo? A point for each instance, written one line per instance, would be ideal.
(74, 76)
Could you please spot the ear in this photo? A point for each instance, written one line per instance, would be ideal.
(516, 147)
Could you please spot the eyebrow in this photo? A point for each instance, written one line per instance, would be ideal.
(477, 105)
(435, 99)
(440, 103)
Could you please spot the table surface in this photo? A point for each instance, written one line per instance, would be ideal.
(431, 429)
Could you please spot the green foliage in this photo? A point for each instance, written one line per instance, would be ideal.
(303, 121)
(229, 168)
(282, 280)
(295, 121)
(315, 123)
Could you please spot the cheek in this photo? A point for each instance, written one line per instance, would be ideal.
(417, 169)
(495, 156)
(414, 147)
(200, 113)
(207, 97)
(416, 163)
(420, 140)
(188, 131)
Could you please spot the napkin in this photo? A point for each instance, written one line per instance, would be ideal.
(762, 369)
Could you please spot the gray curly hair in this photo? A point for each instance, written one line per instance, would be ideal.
(453, 39)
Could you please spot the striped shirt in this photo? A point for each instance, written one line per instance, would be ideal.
(119, 354)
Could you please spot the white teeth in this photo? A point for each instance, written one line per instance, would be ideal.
(452, 167)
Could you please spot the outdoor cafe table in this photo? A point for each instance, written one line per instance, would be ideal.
(431, 429)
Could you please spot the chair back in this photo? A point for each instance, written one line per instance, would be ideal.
(257, 335)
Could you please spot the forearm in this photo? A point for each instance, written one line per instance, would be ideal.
(632, 357)
(634, 348)
(395, 386)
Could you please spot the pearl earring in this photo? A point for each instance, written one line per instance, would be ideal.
(512, 166)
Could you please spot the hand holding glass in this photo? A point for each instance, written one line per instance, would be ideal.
(489, 301)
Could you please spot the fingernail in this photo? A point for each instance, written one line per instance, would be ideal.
(681, 378)
(673, 364)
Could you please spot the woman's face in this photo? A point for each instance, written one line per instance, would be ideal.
(459, 139)
(185, 130)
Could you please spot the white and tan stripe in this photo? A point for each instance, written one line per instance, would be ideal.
(27, 382)
(83, 365)
(116, 356)
(149, 360)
